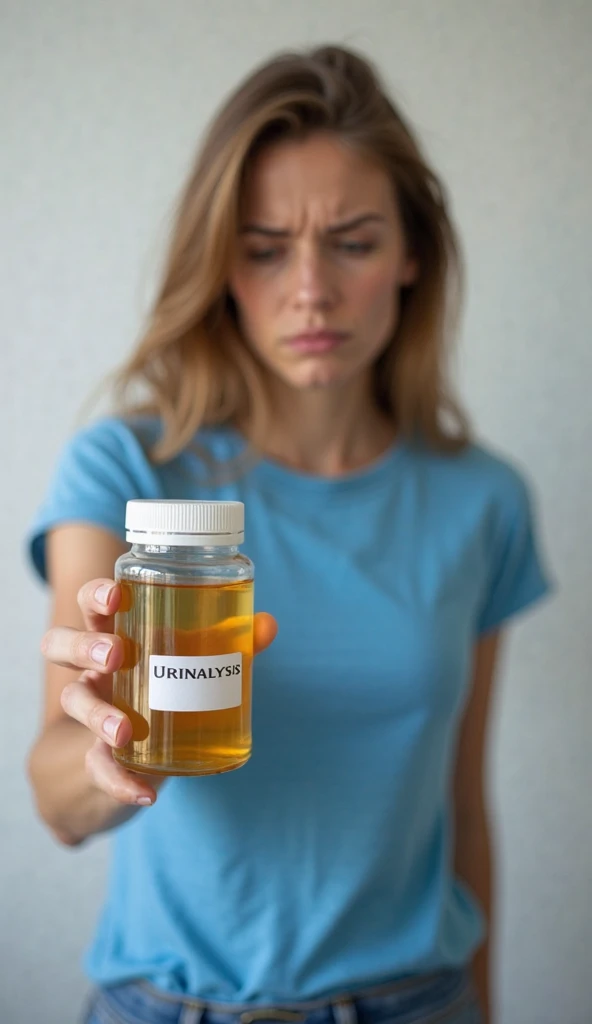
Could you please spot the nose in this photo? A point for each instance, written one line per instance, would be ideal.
(313, 287)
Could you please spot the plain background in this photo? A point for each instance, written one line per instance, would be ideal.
(102, 105)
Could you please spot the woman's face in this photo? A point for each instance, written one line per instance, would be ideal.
(319, 263)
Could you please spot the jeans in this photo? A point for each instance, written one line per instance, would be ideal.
(444, 998)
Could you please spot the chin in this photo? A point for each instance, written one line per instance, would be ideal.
(316, 377)
(314, 374)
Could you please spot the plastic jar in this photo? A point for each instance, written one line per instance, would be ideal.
(186, 621)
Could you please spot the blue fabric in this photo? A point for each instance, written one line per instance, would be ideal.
(324, 863)
(448, 998)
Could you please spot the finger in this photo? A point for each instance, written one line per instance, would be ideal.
(124, 786)
(79, 701)
(265, 631)
(74, 648)
(98, 601)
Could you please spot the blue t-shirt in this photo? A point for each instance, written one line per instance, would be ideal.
(325, 863)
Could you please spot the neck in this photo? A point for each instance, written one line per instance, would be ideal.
(326, 431)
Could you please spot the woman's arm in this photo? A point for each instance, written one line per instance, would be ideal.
(79, 788)
(68, 764)
(473, 857)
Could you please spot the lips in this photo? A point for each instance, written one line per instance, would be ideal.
(316, 342)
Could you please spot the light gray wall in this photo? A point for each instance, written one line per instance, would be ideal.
(101, 107)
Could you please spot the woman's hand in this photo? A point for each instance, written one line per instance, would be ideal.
(99, 653)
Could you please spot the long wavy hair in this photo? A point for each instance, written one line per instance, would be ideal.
(191, 363)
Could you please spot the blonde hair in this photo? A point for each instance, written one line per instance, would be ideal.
(191, 360)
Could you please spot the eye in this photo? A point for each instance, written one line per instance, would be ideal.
(356, 248)
(263, 255)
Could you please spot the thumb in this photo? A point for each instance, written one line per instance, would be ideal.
(265, 630)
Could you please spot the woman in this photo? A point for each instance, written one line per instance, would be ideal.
(295, 360)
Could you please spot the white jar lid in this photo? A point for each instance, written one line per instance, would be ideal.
(187, 523)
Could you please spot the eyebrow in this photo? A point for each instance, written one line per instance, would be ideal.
(334, 229)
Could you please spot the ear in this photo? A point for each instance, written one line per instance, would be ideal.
(409, 271)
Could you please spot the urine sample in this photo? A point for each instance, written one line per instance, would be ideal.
(186, 622)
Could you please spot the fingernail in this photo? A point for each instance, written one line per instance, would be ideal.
(100, 652)
(103, 593)
(111, 726)
(144, 801)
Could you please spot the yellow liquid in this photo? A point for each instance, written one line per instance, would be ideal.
(207, 619)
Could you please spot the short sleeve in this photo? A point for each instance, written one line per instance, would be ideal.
(516, 577)
(98, 472)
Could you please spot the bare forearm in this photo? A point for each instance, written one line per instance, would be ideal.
(67, 799)
(474, 865)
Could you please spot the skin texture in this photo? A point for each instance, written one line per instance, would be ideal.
(299, 266)
(296, 268)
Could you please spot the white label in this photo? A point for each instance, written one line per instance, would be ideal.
(208, 683)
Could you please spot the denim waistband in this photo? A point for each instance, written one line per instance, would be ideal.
(443, 996)
(304, 1007)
